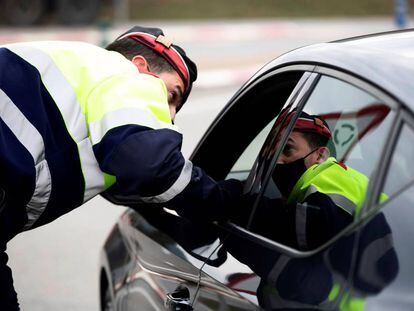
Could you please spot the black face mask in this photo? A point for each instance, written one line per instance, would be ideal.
(287, 175)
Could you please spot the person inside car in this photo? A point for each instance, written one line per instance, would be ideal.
(320, 197)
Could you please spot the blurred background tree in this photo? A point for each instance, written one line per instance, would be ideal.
(199, 9)
(81, 12)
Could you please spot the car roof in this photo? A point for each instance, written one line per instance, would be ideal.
(385, 59)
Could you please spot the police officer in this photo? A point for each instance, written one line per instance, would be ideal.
(77, 120)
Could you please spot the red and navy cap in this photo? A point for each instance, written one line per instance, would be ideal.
(155, 39)
(307, 123)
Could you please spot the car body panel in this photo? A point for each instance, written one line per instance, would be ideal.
(385, 60)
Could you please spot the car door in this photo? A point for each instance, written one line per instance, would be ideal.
(157, 267)
(262, 265)
(397, 183)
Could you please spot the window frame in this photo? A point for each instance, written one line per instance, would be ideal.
(295, 100)
(404, 117)
(377, 179)
(247, 88)
(200, 155)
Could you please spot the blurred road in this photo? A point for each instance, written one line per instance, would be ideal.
(56, 267)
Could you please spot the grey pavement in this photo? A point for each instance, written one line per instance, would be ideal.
(56, 266)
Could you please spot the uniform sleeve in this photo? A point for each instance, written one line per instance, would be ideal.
(126, 100)
(150, 168)
(377, 259)
(320, 218)
(135, 142)
(305, 225)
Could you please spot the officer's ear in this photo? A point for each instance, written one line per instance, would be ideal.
(141, 63)
(323, 154)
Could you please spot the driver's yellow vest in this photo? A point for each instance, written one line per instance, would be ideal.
(344, 185)
(347, 189)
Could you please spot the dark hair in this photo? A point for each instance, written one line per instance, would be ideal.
(130, 48)
(315, 140)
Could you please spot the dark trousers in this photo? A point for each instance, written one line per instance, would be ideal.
(8, 296)
(12, 220)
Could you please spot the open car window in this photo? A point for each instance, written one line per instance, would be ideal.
(233, 142)
(305, 204)
(269, 95)
(242, 167)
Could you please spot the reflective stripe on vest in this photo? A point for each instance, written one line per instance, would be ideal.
(66, 100)
(77, 76)
(120, 117)
(340, 200)
(300, 223)
(345, 187)
(144, 102)
(375, 250)
(179, 185)
(31, 139)
(124, 116)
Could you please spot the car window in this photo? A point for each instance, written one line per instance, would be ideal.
(358, 120)
(388, 260)
(243, 130)
(267, 95)
(241, 168)
(358, 123)
(318, 181)
(231, 145)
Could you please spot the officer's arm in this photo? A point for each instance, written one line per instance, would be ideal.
(138, 149)
(150, 168)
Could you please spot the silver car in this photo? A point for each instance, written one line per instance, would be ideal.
(363, 87)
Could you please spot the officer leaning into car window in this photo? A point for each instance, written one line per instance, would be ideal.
(77, 120)
(320, 198)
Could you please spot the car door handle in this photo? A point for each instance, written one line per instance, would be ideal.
(179, 300)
